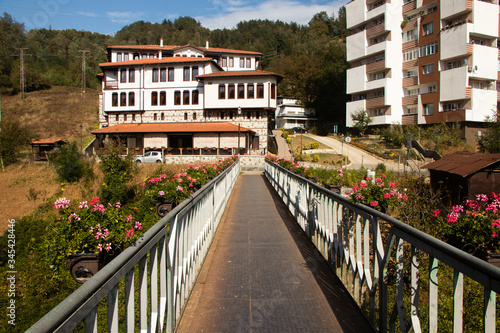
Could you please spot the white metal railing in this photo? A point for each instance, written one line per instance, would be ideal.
(379, 259)
(174, 259)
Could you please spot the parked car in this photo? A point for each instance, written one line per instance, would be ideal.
(299, 130)
(150, 157)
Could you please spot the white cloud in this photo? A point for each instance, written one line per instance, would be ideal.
(87, 14)
(124, 17)
(231, 12)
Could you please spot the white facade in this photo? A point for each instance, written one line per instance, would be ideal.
(290, 113)
(423, 61)
(165, 84)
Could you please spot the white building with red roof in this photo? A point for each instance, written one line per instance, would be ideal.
(185, 99)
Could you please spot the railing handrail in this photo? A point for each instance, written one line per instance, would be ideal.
(347, 238)
(67, 314)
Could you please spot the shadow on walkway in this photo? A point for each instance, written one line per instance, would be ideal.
(262, 274)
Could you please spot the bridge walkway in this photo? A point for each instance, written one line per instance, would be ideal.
(263, 275)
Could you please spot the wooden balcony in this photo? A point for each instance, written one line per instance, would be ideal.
(376, 30)
(375, 102)
(111, 85)
(375, 66)
(470, 5)
(470, 48)
(409, 119)
(468, 93)
(409, 6)
(410, 25)
(410, 81)
(410, 64)
(410, 100)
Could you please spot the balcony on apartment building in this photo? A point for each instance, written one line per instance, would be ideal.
(409, 5)
(450, 8)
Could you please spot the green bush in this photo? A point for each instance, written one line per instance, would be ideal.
(284, 134)
(315, 158)
(117, 171)
(70, 164)
(315, 145)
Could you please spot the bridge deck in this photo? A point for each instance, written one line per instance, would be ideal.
(263, 275)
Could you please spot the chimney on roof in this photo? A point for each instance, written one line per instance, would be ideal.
(160, 54)
(207, 45)
(161, 42)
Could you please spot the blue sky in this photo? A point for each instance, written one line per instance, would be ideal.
(107, 17)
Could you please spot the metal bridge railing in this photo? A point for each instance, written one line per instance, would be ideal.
(380, 259)
(167, 264)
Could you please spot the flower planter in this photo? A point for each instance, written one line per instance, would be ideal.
(163, 207)
(83, 266)
(489, 257)
(334, 188)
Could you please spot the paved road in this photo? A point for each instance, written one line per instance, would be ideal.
(262, 274)
(283, 149)
(358, 157)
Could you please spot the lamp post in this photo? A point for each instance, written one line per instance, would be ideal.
(81, 138)
(239, 117)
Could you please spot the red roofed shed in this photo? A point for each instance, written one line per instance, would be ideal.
(463, 175)
(40, 147)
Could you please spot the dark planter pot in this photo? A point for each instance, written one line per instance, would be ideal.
(163, 207)
(489, 257)
(334, 188)
(313, 179)
(83, 266)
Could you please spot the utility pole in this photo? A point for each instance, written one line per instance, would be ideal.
(22, 77)
(84, 76)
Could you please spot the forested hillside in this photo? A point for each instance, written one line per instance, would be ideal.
(311, 57)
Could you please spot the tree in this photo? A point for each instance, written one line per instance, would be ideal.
(13, 138)
(361, 120)
(70, 164)
(117, 171)
(489, 142)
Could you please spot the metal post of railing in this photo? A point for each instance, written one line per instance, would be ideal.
(370, 261)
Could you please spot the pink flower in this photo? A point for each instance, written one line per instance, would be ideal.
(436, 213)
(130, 233)
(494, 234)
(130, 218)
(108, 246)
(387, 196)
(83, 205)
(363, 184)
(378, 180)
(143, 184)
(180, 189)
(61, 203)
(94, 201)
(374, 203)
(452, 218)
(99, 246)
(392, 185)
(161, 193)
(138, 225)
(359, 196)
(368, 178)
(384, 176)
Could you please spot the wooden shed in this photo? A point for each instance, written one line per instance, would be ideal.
(40, 148)
(463, 175)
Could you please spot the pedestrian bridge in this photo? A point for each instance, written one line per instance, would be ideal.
(273, 252)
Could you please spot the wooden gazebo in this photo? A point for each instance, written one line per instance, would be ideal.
(40, 147)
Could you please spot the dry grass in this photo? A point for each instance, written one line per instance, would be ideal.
(56, 112)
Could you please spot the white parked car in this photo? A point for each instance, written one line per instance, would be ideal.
(150, 157)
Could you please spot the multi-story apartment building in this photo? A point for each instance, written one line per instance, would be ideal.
(185, 98)
(290, 113)
(423, 61)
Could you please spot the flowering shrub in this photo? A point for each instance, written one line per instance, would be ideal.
(180, 186)
(475, 222)
(89, 227)
(378, 194)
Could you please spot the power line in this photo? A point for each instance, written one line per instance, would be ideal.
(22, 78)
(84, 69)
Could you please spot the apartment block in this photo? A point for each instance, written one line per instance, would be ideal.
(423, 61)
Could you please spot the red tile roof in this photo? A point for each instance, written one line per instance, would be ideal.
(215, 127)
(464, 163)
(47, 141)
(240, 74)
(175, 47)
(154, 61)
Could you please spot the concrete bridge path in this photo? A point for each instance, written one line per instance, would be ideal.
(263, 275)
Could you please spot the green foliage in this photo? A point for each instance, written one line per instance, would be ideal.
(70, 164)
(315, 158)
(361, 120)
(284, 134)
(118, 171)
(13, 138)
(314, 145)
(489, 142)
